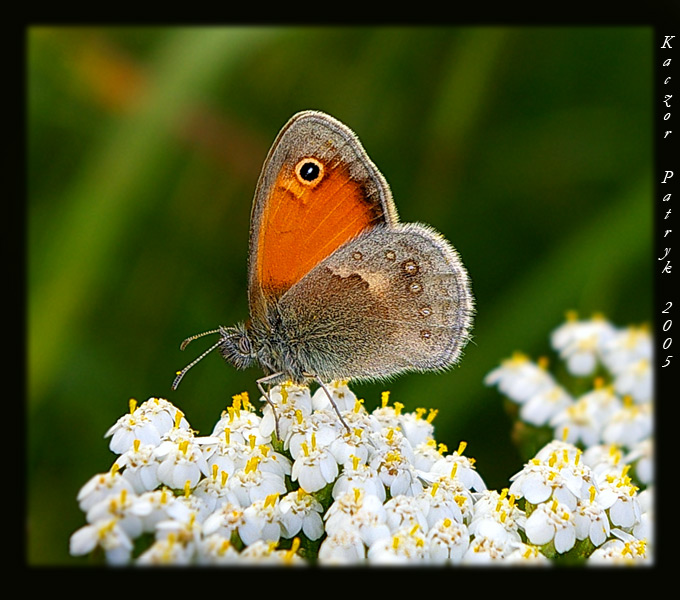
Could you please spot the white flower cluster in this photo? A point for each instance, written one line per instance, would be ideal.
(578, 488)
(382, 493)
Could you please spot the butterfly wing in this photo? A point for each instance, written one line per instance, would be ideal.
(395, 299)
(317, 190)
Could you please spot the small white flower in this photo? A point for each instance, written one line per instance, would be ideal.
(118, 508)
(544, 405)
(261, 521)
(217, 550)
(482, 551)
(152, 507)
(591, 520)
(162, 414)
(636, 380)
(442, 502)
(300, 511)
(520, 379)
(344, 547)
(579, 342)
(102, 486)
(447, 541)
(107, 534)
(344, 398)
(460, 467)
(314, 467)
(129, 428)
(214, 490)
(642, 457)
(417, 427)
(181, 533)
(585, 419)
(140, 467)
(629, 425)
(250, 483)
(496, 516)
(348, 444)
(180, 461)
(241, 423)
(167, 551)
(525, 555)
(289, 401)
(619, 551)
(225, 521)
(406, 511)
(552, 522)
(385, 416)
(396, 472)
(407, 545)
(618, 495)
(263, 552)
(359, 475)
(426, 454)
(364, 513)
(626, 347)
(603, 459)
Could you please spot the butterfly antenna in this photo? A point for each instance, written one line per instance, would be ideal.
(183, 345)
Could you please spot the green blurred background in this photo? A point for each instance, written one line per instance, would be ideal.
(529, 148)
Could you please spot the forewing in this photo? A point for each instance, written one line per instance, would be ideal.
(296, 222)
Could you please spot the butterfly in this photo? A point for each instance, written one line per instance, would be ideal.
(338, 288)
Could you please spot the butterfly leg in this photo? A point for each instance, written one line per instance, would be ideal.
(330, 397)
(265, 394)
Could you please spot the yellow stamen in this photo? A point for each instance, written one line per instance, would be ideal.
(355, 462)
(136, 444)
(398, 406)
(461, 448)
(384, 398)
(183, 446)
(132, 403)
(227, 435)
(565, 434)
(178, 419)
(187, 488)
(215, 471)
(432, 414)
(435, 487)
(293, 549)
(225, 476)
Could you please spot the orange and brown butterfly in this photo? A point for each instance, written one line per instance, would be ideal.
(337, 287)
